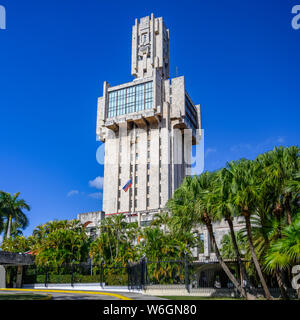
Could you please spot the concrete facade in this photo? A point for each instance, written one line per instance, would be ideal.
(144, 125)
(149, 126)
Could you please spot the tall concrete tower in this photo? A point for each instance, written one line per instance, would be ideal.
(148, 126)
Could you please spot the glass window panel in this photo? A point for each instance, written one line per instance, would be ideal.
(131, 99)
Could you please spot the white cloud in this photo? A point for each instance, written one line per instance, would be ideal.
(210, 150)
(96, 183)
(96, 195)
(259, 147)
(241, 147)
(72, 193)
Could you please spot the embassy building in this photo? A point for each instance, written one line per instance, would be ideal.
(148, 126)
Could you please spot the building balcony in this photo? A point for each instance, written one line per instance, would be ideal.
(140, 118)
(183, 123)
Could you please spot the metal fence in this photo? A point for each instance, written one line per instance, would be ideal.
(76, 273)
(142, 274)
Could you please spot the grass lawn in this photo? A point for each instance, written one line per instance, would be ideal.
(198, 298)
(24, 296)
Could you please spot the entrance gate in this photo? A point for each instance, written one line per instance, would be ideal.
(137, 275)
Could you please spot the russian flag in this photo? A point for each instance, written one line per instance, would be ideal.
(127, 185)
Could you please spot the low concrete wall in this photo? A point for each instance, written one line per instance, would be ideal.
(180, 290)
(80, 286)
(2, 277)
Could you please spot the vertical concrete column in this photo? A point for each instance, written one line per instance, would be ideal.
(154, 167)
(160, 43)
(124, 166)
(139, 218)
(133, 150)
(142, 168)
(178, 97)
(177, 157)
(19, 277)
(198, 109)
(157, 89)
(166, 170)
(172, 154)
(104, 103)
(165, 166)
(100, 115)
(187, 151)
(152, 28)
(134, 60)
(2, 277)
(206, 243)
(111, 171)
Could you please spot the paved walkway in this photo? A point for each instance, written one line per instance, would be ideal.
(83, 295)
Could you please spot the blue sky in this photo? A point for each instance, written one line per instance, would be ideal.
(240, 60)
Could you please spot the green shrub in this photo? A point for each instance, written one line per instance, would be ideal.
(116, 279)
(79, 278)
(59, 278)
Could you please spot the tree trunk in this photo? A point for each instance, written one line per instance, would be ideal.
(254, 257)
(281, 285)
(238, 256)
(220, 260)
(8, 228)
(117, 250)
(110, 249)
(288, 210)
(278, 274)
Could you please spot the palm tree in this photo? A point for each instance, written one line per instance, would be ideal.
(190, 204)
(227, 248)
(285, 252)
(244, 195)
(266, 229)
(293, 185)
(222, 208)
(118, 225)
(182, 205)
(106, 236)
(1, 221)
(277, 173)
(281, 169)
(208, 216)
(15, 228)
(161, 219)
(11, 210)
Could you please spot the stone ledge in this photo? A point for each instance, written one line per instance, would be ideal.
(16, 258)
